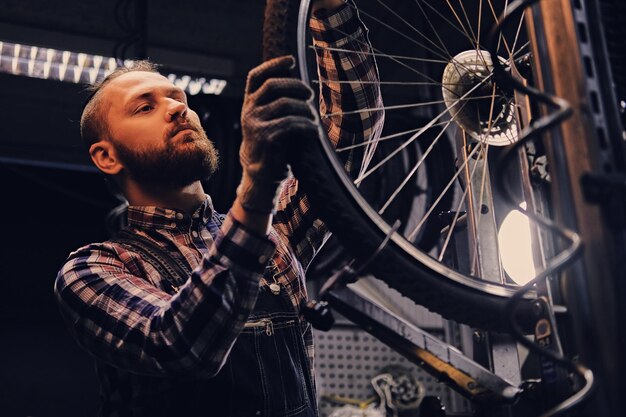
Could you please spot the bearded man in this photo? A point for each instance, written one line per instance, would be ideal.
(188, 312)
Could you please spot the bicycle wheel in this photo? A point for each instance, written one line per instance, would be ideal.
(455, 283)
(447, 89)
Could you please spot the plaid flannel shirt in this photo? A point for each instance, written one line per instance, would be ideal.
(124, 313)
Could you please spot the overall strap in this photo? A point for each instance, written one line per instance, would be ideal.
(216, 223)
(175, 272)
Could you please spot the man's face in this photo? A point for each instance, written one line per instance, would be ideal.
(157, 137)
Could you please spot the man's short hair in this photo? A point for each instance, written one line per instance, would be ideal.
(93, 124)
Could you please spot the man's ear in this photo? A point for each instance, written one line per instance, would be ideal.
(104, 156)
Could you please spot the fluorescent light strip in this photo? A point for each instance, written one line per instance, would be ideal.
(82, 68)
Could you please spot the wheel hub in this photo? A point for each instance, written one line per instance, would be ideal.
(475, 102)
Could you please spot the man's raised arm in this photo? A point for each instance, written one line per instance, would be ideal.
(350, 110)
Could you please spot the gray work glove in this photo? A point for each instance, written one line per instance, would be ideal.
(277, 110)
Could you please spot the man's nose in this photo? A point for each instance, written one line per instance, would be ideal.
(175, 110)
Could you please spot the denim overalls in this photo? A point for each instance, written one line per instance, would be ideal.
(266, 374)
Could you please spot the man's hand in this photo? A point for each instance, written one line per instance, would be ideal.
(277, 110)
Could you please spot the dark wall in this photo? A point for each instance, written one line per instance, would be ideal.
(45, 214)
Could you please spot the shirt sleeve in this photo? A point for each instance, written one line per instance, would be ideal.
(123, 320)
(351, 112)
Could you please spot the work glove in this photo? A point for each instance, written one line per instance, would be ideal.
(277, 111)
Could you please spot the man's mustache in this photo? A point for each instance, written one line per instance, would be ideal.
(182, 126)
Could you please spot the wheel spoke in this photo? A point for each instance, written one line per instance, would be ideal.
(397, 107)
(455, 27)
(415, 168)
(391, 28)
(469, 24)
(452, 225)
(435, 31)
(420, 132)
(404, 35)
(384, 138)
(470, 37)
(444, 51)
(517, 33)
(481, 195)
(408, 58)
(402, 64)
(383, 82)
(480, 19)
(480, 15)
(501, 38)
(414, 232)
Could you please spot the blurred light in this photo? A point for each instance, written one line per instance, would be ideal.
(194, 86)
(81, 68)
(515, 243)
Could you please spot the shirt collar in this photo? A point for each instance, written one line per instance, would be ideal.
(160, 217)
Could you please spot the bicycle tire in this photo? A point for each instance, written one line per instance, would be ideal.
(336, 200)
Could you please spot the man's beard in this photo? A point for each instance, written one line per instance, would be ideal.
(175, 165)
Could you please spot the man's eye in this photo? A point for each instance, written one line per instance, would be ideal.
(145, 108)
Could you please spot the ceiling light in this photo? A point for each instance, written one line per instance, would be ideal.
(82, 68)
